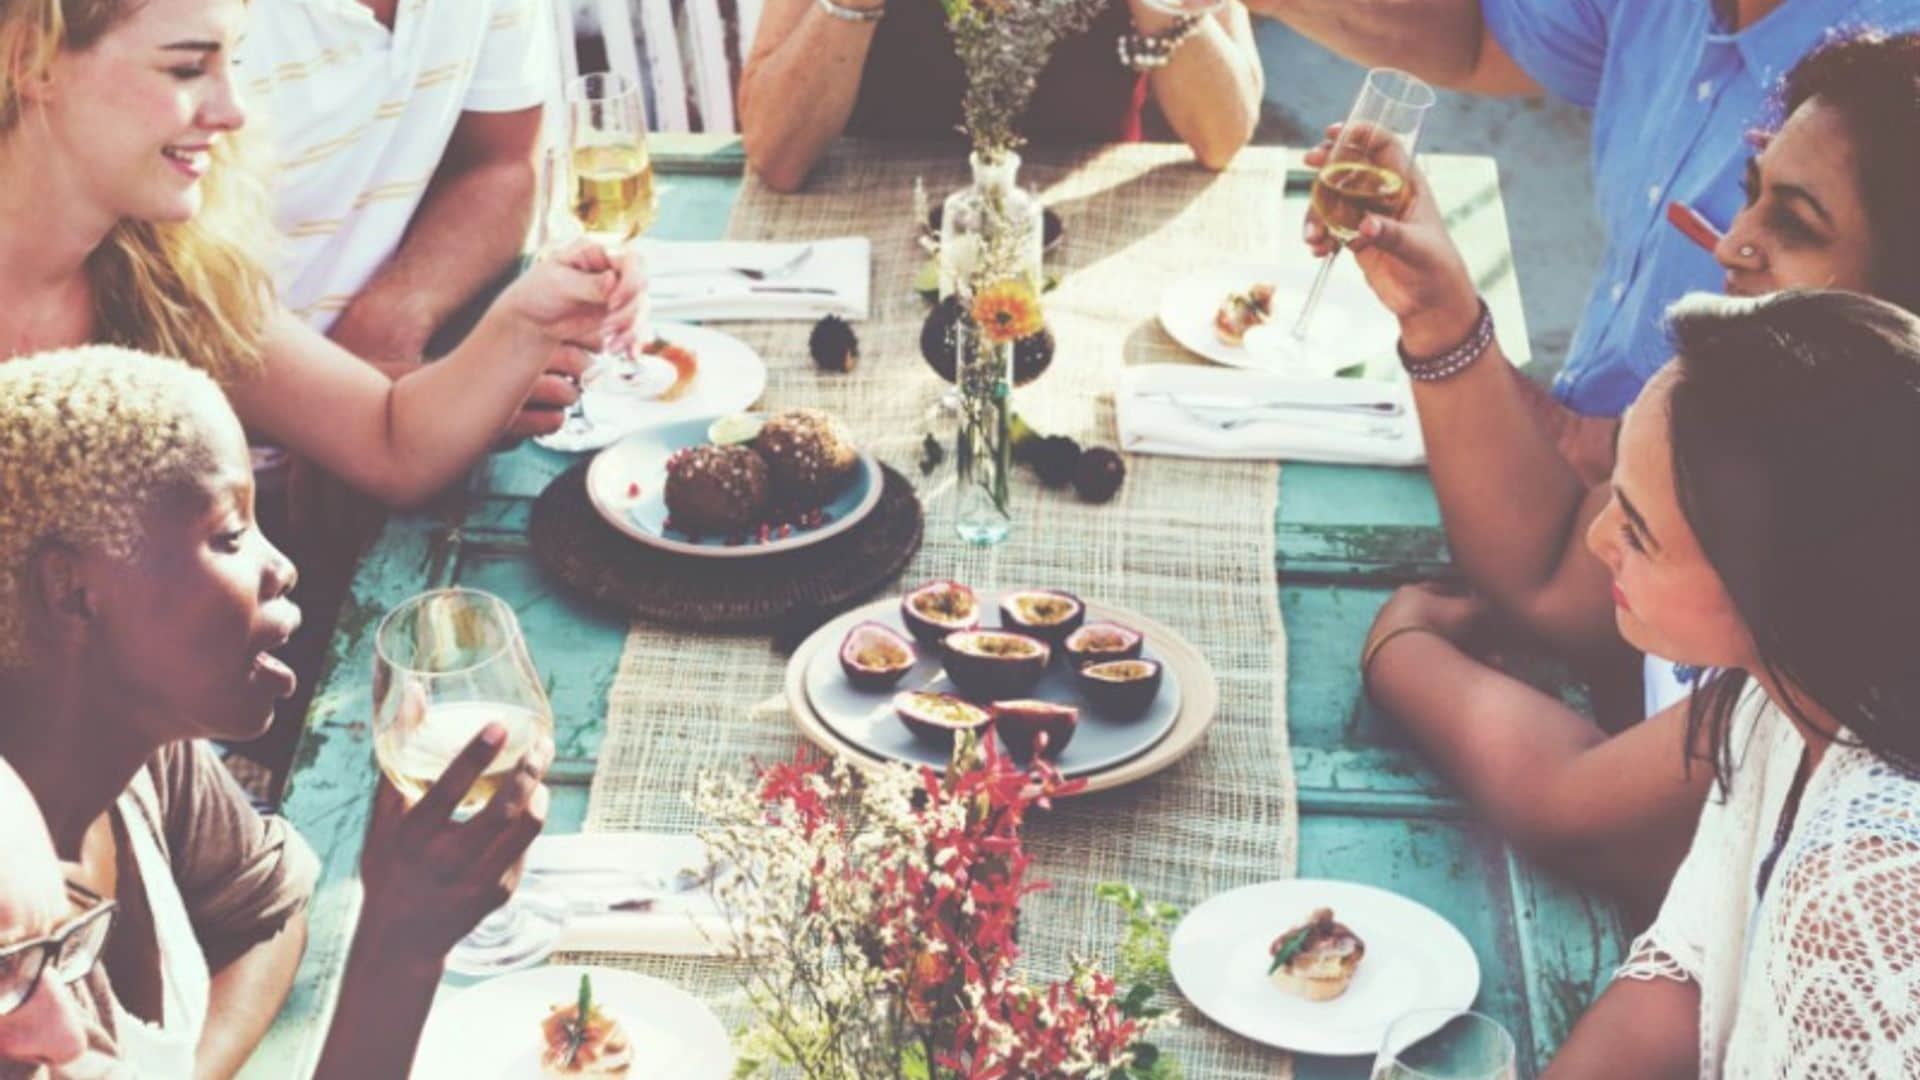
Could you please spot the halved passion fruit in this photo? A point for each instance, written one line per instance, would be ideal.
(939, 608)
(1047, 614)
(1121, 688)
(938, 717)
(988, 665)
(1097, 643)
(875, 656)
(1030, 727)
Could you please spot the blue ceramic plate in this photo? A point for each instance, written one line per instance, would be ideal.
(627, 484)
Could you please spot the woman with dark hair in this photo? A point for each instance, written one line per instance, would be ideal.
(1831, 203)
(1764, 514)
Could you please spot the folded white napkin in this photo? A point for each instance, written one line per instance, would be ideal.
(691, 280)
(595, 870)
(1185, 410)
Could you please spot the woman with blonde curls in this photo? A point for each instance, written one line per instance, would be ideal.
(126, 217)
(139, 605)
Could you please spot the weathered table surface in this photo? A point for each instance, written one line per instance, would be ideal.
(1370, 810)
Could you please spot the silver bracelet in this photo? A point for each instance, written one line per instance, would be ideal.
(852, 15)
(1144, 52)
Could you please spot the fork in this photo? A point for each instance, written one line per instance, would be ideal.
(751, 273)
(1238, 421)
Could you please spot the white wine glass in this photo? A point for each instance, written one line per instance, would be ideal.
(446, 664)
(609, 179)
(1366, 172)
(1446, 1044)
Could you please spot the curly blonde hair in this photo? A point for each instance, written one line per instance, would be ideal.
(195, 289)
(88, 438)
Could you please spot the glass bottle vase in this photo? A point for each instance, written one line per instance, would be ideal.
(983, 445)
(992, 230)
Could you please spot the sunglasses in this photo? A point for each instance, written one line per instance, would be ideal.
(68, 953)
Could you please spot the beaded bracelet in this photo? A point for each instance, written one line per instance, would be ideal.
(1455, 360)
(852, 15)
(1144, 52)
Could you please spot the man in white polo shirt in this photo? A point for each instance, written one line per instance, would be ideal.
(405, 133)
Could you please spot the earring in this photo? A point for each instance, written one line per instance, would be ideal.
(1746, 251)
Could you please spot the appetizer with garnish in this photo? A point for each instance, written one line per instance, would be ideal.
(1241, 312)
(580, 1040)
(1316, 959)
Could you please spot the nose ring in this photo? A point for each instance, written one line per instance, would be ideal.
(1746, 251)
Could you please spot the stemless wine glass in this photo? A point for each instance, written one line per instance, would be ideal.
(610, 180)
(1366, 171)
(1445, 1044)
(446, 664)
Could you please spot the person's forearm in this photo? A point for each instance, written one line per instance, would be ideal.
(1640, 1028)
(385, 995)
(1209, 91)
(450, 252)
(1438, 40)
(244, 998)
(797, 96)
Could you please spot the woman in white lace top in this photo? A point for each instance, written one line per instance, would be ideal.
(1764, 521)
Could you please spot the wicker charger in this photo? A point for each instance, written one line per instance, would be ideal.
(582, 550)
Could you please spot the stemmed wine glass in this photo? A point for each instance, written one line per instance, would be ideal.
(1366, 172)
(446, 664)
(1445, 1044)
(610, 179)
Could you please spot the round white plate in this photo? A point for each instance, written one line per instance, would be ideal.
(866, 718)
(1415, 960)
(1351, 327)
(491, 1031)
(627, 485)
(730, 379)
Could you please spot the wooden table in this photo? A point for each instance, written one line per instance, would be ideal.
(1370, 810)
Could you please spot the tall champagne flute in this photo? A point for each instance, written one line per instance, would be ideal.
(1445, 1044)
(610, 188)
(446, 664)
(1366, 172)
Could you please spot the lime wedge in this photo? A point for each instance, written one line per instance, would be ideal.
(738, 428)
(927, 281)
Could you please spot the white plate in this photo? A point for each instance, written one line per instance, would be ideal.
(1415, 960)
(1351, 327)
(627, 486)
(492, 1031)
(730, 379)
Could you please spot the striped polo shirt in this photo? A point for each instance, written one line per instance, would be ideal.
(360, 117)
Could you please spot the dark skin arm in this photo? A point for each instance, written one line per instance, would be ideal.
(1644, 1028)
(1617, 812)
(245, 997)
(1445, 42)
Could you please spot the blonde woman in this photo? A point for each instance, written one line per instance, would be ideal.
(126, 216)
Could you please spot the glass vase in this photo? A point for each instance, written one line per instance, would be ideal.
(992, 230)
(983, 446)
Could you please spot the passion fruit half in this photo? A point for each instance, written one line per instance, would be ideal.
(938, 717)
(1121, 688)
(939, 608)
(875, 656)
(1027, 728)
(1097, 643)
(1047, 614)
(991, 665)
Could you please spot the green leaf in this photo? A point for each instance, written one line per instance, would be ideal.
(1290, 948)
(1352, 371)
(1137, 999)
(577, 1031)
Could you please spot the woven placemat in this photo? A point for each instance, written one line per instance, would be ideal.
(577, 546)
(1188, 543)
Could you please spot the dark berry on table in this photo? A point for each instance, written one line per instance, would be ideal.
(1099, 474)
(833, 344)
(1056, 458)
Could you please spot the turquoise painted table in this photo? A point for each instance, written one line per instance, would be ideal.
(1369, 809)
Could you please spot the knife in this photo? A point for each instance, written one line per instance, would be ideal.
(751, 290)
(1229, 403)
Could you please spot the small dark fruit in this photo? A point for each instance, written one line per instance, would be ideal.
(1027, 728)
(938, 717)
(833, 344)
(1056, 458)
(939, 608)
(1121, 688)
(1099, 474)
(1047, 614)
(1097, 643)
(876, 656)
(989, 665)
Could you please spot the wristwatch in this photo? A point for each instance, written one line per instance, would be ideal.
(1144, 52)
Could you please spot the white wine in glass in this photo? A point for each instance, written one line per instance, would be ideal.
(612, 191)
(446, 664)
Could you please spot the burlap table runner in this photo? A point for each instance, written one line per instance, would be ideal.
(1190, 543)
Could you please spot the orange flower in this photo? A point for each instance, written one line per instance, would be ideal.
(1007, 311)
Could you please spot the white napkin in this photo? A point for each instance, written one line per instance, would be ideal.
(1152, 422)
(678, 924)
(690, 280)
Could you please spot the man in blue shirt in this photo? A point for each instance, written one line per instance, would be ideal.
(1674, 86)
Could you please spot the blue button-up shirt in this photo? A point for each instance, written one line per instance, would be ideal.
(1673, 96)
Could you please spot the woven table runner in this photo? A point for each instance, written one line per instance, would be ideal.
(1189, 543)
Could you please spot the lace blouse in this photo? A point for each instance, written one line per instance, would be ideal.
(1814, 972)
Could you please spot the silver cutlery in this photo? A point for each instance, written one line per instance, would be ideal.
(1229, 404)
(752, 273)
(750, 290)
(1221, 421)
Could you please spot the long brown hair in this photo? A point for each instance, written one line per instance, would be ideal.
(194, 289)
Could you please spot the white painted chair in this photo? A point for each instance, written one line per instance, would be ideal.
(679, 50)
